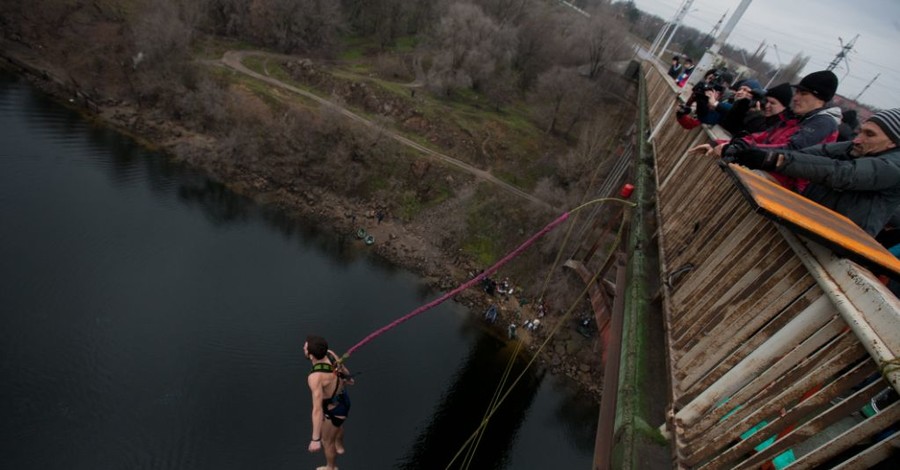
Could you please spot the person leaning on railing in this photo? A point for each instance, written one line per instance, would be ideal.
(811, 121)
(859, 179)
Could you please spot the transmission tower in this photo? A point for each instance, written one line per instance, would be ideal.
(842, 55)
(718, 25)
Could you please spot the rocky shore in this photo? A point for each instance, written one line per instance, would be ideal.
(408, 245)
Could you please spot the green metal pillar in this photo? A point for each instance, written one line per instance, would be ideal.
(635, 432)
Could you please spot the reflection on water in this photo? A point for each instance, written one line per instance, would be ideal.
(152, 319)
(464, 406)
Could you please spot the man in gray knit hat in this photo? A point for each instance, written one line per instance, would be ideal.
(859, 179)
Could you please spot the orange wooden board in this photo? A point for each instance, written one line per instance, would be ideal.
(807, 218)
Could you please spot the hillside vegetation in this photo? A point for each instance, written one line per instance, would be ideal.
(521, 89)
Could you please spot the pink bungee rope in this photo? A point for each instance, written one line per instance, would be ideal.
(434, 303)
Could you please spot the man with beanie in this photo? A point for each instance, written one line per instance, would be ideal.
(778, 100)
(859, 179)
(812, 123)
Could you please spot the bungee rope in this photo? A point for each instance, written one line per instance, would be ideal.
(491, 270)
(475, 436)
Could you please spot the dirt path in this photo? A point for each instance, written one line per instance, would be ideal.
(232, 60)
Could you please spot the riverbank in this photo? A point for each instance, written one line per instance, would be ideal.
(406, 244)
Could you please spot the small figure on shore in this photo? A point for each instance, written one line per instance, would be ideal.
(511, 331)
(330, 400)
(489, 286)
(491, 314)
(379, 216)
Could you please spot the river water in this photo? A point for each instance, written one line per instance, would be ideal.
(150, 319)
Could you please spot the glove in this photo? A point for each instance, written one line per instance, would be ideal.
(731, 148)
(756, 159)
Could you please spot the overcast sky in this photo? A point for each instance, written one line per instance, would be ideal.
(813, 27)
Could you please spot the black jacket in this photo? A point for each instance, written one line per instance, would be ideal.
(864, 189)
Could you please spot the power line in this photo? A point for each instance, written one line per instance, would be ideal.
(866, 87)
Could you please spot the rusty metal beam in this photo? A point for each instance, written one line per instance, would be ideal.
(603, 444)
(599, 300)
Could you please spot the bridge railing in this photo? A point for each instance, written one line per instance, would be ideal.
(776, 347)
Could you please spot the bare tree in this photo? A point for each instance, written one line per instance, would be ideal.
(386, 20)
(791, 72)
(561, 99)
(506, 11)
(472, 47)
(601, 40)
(540, 44)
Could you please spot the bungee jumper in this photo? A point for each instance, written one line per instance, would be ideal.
(327, 381)
(329, 375)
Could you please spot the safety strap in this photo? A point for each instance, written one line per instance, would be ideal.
(321, 367)
(327, 368)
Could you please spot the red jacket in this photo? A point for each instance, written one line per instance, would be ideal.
(793, 133)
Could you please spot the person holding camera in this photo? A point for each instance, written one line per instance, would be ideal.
(744, 114)
(812, 123)
(705, 96)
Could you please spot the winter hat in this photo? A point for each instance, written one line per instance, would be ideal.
(783, 93)
(889, 122)
(749, 83)
(822, 84)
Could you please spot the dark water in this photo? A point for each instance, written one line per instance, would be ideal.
(150, 319)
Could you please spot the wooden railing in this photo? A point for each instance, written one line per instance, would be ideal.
(765, 330)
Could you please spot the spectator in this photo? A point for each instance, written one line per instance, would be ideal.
(859, 179)
(675, 69)
(848, 127)
(743, 114)
(777, 107)
(811, 123)
(686, 72)
(703, 97)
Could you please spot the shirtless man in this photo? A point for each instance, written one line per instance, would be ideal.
(330, 401)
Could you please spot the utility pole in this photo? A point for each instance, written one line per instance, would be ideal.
(678, 18)
(710, 56)
(842, 55)
(665, 30)
(866, 88)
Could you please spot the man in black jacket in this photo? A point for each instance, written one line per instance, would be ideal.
(859, 179)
